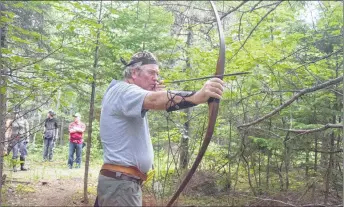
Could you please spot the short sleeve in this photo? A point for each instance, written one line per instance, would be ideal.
(132, 101)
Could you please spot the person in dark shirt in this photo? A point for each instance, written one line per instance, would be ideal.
(49, 136)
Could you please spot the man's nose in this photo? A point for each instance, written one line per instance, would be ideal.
(155, 77)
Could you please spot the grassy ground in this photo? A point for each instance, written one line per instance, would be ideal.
(53, 184)
(48, 183)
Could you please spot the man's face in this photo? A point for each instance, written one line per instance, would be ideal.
(146, 77)
(76, 118)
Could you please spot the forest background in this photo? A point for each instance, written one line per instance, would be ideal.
(278, 137)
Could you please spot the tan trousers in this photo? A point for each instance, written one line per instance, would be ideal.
(114, 192)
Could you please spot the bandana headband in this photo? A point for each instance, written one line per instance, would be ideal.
(144, 61)
(145, 58)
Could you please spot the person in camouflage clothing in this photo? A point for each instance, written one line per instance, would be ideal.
(18, 136)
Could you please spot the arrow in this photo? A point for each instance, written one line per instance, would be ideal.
(206, 77)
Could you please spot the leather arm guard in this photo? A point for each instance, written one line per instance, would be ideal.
(172, 105)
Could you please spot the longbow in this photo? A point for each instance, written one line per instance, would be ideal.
(213, 110)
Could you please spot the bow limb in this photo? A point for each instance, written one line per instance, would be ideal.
(213, 110)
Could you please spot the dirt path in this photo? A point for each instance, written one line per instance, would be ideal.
(47, 184)
(53, 184)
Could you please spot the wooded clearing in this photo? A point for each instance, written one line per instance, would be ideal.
(278, 138)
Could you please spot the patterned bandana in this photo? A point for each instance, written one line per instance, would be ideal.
(144, 57)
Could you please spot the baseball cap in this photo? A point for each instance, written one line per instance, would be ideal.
(51, 112)
(77, 115)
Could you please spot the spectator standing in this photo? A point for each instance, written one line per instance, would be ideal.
(76, 131)
(49, 136)
(18, 137)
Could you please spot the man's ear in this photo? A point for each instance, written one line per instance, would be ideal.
(134, 73)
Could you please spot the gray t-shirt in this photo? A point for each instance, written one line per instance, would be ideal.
(124, 127)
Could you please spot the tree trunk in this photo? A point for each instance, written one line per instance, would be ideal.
(58, 100)
(38, 124)
(229, 175)
(58, 136)
(236, 174)
(253, 167)
(248, 167)
(307, 167)
(184, 148)
(184, 141)
(280, 176)
(268, 161)
(329, 170)
(287, 161)
(249, 175)
(259, 172)
(315, 166)
(3, 100)
(91, 114)
(62, 132)
(268, 170)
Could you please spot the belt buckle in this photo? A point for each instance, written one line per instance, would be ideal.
(123, 176)
(118, 174)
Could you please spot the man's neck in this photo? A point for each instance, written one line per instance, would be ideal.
(129, 80)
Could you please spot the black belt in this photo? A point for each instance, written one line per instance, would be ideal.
(120, 176)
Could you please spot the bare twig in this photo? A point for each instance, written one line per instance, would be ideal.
(292, 99)
(307, 131)
(269, 199)
(37, 61)
(233, 10)
(251, 32)
(17, 181)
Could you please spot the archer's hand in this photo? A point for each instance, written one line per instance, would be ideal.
(213, 88)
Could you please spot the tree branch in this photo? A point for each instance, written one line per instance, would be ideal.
(308, 131)
(292, 99)
(271, 200)
(254, 28)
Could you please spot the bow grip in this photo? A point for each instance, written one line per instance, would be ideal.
(211, 99)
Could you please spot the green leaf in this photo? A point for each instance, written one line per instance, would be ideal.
(36, 67)
(4, 19)
(6, 51)
(3, 90)
(71, 28)
(58, 26)
(19, 40)
(77, 5)
(17, 59)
